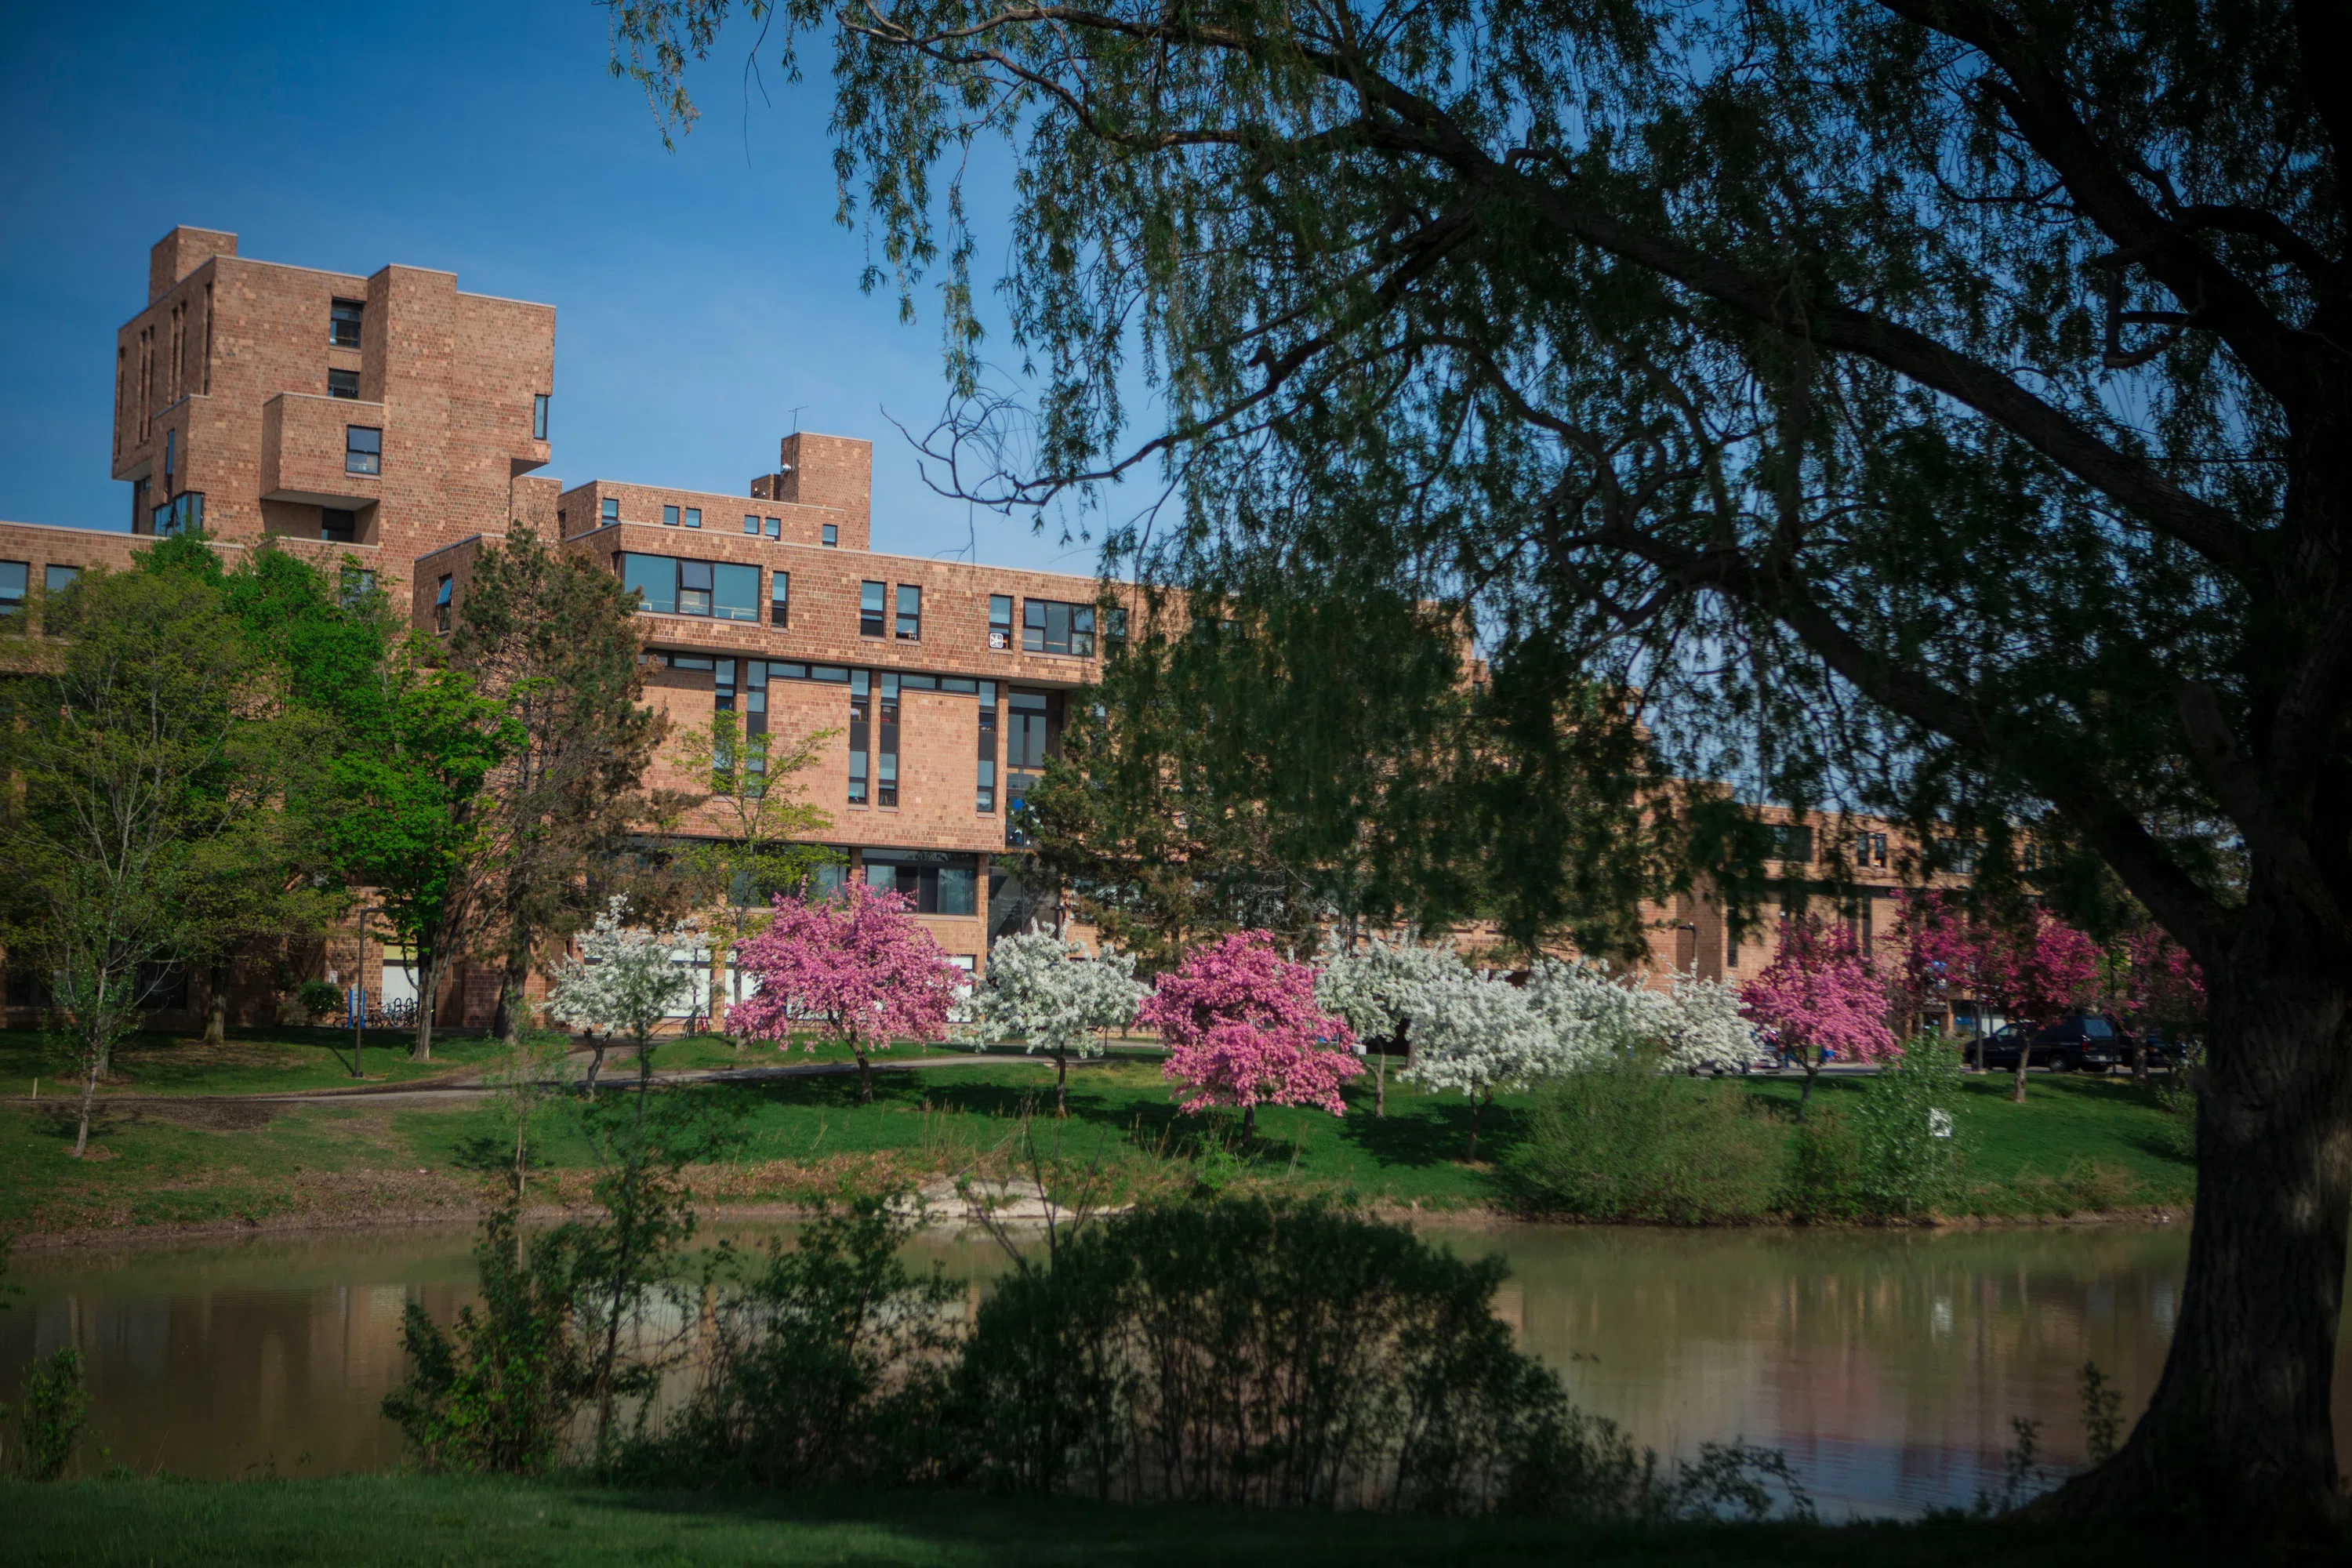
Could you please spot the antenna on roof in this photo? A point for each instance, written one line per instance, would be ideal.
(795, 411)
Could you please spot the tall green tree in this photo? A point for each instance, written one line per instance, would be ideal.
(409, 820)
(1933, 406)
(553, 638)
(147, 758)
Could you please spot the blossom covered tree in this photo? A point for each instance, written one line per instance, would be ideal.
(1243, 1028)
(2035, 969)
(1479, 1033)
(1374, 989)
(624, 982)
(1057, 997)
(1693, 1025)
(856, 969)
(2163, 987)
(1820, 993)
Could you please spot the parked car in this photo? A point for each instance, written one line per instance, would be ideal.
(2079, 1040)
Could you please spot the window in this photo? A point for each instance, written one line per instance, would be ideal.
(362, 449)
(57, 579)
(861, 734)
(775, 528)
(910, 613)
(170, 455)
(14, 576)
(831, 536)
(666, 585)
(933, 882)
(780, 598)
(750, 522)
(1000, 622)
(1870, 850)
(1025, 731)
(441, 606)
(609, 509)
(1114, 630)
(343, 384)
(184, 511)
(869, 608)
(1959, 856)
(886, 748)
(1792, 842)
(985, 795)
(358, 582)
(344, 319)
(670, 516)
(1048, 626)
(693, 517)
(539, 416)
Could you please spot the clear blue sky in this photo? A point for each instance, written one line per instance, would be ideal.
(699, 295)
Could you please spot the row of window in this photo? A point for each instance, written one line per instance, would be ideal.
(609, 510)
(16, 579)
(184, 512)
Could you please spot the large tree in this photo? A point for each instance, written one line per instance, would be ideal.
(1938, 404)
(553, 637)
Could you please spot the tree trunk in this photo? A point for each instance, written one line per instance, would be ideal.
(1061, 1083)
(217, 1003)
(1477, 1105)
(2025, 1056)
(864, 1077)
(2240, 1423)
(428, 992)
(511, 1005)
(1249, 1122)
(1810, 1060)
(89, 1093)
(596, 1060)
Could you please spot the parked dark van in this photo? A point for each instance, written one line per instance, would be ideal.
(2079, 1040)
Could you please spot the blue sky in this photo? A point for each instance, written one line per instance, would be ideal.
(700, 295)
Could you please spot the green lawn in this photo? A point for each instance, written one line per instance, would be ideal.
(252, 1061)
(358, 1521)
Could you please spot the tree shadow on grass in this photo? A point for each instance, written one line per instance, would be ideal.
(1434, 1133)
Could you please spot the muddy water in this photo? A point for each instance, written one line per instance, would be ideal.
(1889, 1366)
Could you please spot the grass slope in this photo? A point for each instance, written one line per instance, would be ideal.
(359, 1521)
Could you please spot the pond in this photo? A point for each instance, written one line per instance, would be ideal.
(1887, 1365)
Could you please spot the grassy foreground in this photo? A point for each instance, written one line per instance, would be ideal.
(363, 1520)
(170, 1155)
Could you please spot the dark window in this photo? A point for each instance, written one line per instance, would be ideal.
(910, 613)
(57, 579)
(670, 516)
(14, 576)
(655, 578)
(693, 517)
(539, 418)
(1025, 732)
(609, 509)
(694, 587)
(344, 319)
(933, 882)
(441, 606)
(338, 525)
(1000, 622)
(670, 587)
(358, 582)
(780, 598)
(342, 384)
(362, 449)
(870, 599)
(1049, 626)
(831, 536)
(984, 796)
(184, 511)
(1114, 630)
(1792, 842)
(775, 528)
(861, 735)
(750, 522)
(885, 742)
(171, 456)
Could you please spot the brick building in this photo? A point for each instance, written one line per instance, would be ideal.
(394, 425)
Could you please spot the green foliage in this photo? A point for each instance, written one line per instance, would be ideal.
(820, 1366)
(492, 1393)
(1270, 1355)
(51, 1412)
(1622, 1140)
(319, 998)
(1910, 1141)
(1824, 1170)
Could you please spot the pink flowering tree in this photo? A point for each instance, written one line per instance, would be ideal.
(2035, 969)
(1820, 993)
(1243, 1028)
(858, 970)
(2162, 987)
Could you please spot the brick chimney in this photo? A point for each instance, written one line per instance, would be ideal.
(181, 252)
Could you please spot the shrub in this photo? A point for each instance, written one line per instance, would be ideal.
(1909, 1140)
(821, 1366)
(56, 1406)
(1824, 1169)
(1257, 1353)
(1622, 1141)
(318, 999)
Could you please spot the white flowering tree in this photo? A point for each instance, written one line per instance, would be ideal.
(1706, 1029)
(1057, 997)
(1375, 989)
(1480, 1036)
(624, 982)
